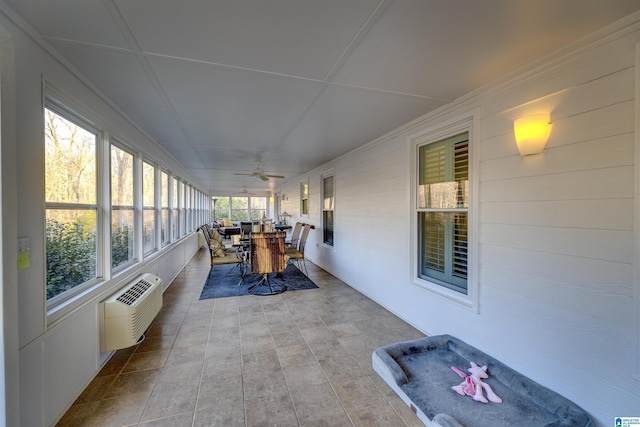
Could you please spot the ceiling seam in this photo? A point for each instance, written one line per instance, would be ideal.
(128, 35)
(233, 67)
(179, 58)
(392, 92)
(362, 31)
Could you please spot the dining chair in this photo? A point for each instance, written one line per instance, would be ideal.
(267, 256)
(295, 236)
(297, 255)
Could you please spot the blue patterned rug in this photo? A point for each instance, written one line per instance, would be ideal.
(224, 281)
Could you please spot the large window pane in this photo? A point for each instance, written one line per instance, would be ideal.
(444, 248)
(327, 210)
(240, 208)
(183, 208)
(71, 249)
(148, 209)
(443, 201)
(71, 209)
(122, 211)
(304, 198)
(258, 207)
(164, 203)
(70, 161)
(175, 224)
(220, 207)
(121, 236)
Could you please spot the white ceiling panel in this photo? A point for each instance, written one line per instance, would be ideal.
(344, 118)
(186, 156)
(120, 75)
(449, 48)
(231, 159)
(301, 38)
(229, 108)
(87, 21)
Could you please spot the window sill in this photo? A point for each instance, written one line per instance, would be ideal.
(440, 290)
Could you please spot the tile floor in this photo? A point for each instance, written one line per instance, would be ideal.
(301, 358)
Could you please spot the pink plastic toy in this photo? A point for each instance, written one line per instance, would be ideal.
(474, 386)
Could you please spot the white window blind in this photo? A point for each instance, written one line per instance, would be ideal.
(327, 209)
(443, 203)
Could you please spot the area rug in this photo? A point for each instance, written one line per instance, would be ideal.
(224, 281)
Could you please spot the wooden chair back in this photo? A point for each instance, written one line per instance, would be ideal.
(295, 235)
(267, 252)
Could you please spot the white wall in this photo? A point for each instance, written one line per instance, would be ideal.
(557, 284)
(48, 361)
(9, 408)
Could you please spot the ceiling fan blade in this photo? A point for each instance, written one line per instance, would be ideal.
(275, 176)
(245, 192)
(244, 174)
(264, 177)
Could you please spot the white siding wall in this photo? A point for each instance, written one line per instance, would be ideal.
(56, 359)
(556, 240)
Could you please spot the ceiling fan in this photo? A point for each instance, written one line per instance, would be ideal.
(259, 173)
(245, 192)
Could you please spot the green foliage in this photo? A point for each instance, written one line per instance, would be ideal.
(121, 245)
(71, 255)
(71, 252)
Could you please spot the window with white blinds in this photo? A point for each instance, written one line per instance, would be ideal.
(443, 211)
(327, 210)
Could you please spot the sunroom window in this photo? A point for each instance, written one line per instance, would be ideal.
(148, 209)
(71, 203)
(122, 209)
(327, 210)
(443, 211)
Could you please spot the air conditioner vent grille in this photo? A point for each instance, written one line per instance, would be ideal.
(135, 292)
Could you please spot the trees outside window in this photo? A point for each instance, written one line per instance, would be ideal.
(175, 210)
(258, 208)
(122, 209)
(240, 208)
(99, 201)
(148, 208)
(71, 203)
(165, 237)
(222, 206)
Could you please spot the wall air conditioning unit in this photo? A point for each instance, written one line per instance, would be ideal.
(129, 312)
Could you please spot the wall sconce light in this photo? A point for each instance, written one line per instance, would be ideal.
(532, 133)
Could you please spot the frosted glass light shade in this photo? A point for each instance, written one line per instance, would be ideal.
(532, 133)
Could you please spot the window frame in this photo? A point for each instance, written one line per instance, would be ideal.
(304, 185)
(52, 104)
(464, 123)
(165, 208)
(115, 269)
(323, 177)
(174, 207)
(145, 208)
(249, 209)
(105, 276)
